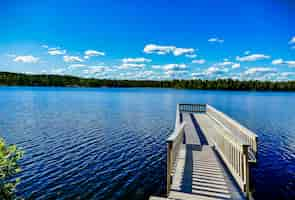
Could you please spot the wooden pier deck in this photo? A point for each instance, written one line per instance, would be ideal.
(208, 156)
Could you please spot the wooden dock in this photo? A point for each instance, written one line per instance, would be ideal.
(208, 156)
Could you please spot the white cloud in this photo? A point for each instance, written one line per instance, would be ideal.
(73, 59)
(76, 65)
(59, 71)
(174, 67)
(212, 72)
(277, 61)
(215, 70)
(257, 73)
(180, 51)
(156, 66)
(28, 72)
(259, 70)
(55, 52)
(91, 53)
(94, 53)
(134, 63)
(144, 75)
(26, 59)
(131, 65)
(96, 69)
(198, 74)
(141, 75)
(290, 63)
(135, 60)
(260, 73)
(179, 74)
(148, 73)
(236, 65)
(44, 46)
(162, 50)
(247, 52)
(252, 57)
(201, 61)
(227, 63)
(191, 55)
(172, 70)
(287, 74)
(292, 41)
(215, 40)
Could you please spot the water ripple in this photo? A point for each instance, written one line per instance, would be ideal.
(110, 143)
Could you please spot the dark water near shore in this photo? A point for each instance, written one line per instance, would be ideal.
(110, 143)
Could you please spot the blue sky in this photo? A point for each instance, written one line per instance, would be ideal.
(150, 39)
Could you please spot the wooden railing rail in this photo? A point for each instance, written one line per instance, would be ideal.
(174, 142)
(177, 118)
(244, 134)
(235, 156)
(192, 107)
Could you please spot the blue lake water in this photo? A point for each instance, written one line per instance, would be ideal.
(110, 143)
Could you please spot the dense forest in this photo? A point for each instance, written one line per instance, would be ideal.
(18, 79)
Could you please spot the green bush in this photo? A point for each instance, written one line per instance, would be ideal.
(9, 155)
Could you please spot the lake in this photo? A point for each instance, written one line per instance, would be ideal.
(107, 143)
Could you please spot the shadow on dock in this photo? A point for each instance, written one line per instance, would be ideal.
(203, 139)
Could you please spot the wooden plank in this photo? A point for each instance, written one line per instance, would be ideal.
(190, 196)
(191, 136)
(157, 198)
(211, 127)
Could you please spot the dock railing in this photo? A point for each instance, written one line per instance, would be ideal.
(242, 132)
(174, 143)
(192, 107)
(235, 156)
(177, 118)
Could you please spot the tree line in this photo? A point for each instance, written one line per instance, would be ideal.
(19, 79)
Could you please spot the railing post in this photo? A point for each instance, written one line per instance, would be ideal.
(255, 145)
(246, 171)
(169, 166)
(177, 120)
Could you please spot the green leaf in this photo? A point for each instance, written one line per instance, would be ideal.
(9, 155)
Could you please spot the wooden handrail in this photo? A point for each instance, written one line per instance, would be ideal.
(245, 134)
(192, 107)
(177, 119)
(174, 142)
(235, 156)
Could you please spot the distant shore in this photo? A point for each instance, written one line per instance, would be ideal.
(20, 79)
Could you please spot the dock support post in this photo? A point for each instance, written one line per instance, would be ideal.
(169, 167)
(246, 172)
